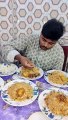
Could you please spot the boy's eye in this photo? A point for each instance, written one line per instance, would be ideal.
(43, 39)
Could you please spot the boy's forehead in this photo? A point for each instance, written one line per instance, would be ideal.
(49, 40)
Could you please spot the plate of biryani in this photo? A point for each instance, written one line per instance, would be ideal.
(19, 92)
(54, 103)
(57, 78)
(7, 69)
(30, 74)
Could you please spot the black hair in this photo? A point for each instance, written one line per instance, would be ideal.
(53, 29)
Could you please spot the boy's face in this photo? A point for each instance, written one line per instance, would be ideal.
(46, 43)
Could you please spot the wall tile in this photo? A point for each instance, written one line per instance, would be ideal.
(20, 17)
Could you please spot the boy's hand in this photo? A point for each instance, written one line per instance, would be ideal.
(24, 61)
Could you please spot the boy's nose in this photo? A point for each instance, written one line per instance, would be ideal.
(46, 44)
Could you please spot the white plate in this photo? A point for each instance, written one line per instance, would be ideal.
(7, 69)
(45, 110)
(38, 116)
(1, 83)
(5, 96)
(40, 70)
(54, 84)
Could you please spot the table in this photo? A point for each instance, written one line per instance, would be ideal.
(20, 113)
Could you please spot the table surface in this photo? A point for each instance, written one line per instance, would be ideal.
(20, 113)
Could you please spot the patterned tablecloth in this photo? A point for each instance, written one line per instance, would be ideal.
(19, 113)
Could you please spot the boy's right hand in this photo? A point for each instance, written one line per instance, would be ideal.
(25, 62)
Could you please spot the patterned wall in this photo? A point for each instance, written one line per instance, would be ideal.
(6, 19)
(19, 17)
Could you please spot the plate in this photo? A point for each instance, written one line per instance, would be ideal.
(7, 69)
(5, 96)
(54, 84)
(34, 78)
(45, 109)
(38, 116)
(1, 83)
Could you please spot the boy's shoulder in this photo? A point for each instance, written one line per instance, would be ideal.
(59, 48)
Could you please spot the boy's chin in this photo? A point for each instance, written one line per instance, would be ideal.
(43, 48)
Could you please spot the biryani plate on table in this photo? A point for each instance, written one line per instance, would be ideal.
(19, 92)
(54, 103)
(31, 74)
(57, 78)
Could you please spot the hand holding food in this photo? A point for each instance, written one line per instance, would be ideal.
(24, 61)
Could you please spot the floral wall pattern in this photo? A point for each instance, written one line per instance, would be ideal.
(6, 20)
(19, 17)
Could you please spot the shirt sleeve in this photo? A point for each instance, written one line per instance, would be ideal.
(12, 55)
(13, 47)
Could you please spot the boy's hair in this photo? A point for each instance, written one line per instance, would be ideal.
(53, 29)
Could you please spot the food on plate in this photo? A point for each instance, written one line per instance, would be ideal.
(58, 78)
(20, 91)
(30, 73)
(57, 103)
(7, 69)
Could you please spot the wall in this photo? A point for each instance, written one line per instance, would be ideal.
(18, 17)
